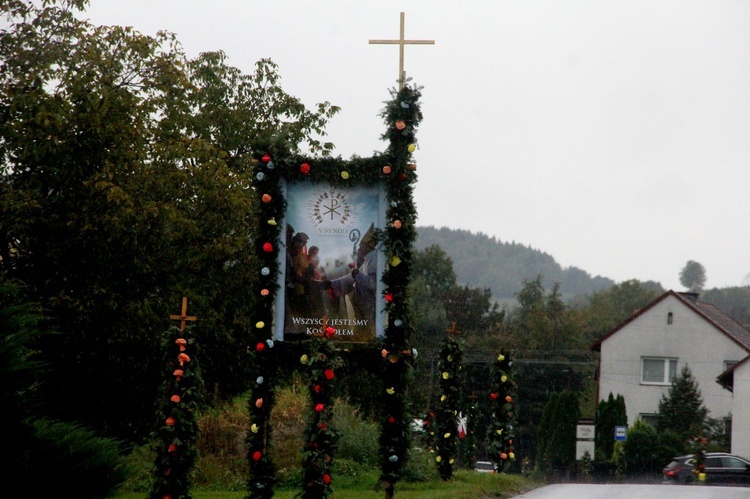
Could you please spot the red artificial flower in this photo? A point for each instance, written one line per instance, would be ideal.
(267, 247)
(266, 158)
(328, 373)
(316, 388)
(175, 398)
(330, 331)
(260, 347)
(326, 479)
(322, 426)
(304, 168)
(172, 448)
(257, 455)
(170, 421)
(391, 419)
(493, 396)
(319, 407)
(388, 297)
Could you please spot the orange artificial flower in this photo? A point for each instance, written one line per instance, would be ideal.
(259, 403)
(172, 448)
(170, 421)
(183, 357)
(175, 398)
(182, 342)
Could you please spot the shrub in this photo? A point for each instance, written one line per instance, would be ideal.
(70, 457)
(420, 466)
(358, 438)
(639, 448)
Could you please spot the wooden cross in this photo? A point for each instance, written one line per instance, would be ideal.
(184, 317)
(453, 331)
(401, 42)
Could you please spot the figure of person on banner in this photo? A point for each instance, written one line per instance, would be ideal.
(360, 285)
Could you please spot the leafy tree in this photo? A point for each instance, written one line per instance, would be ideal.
(124, 185)
(681, 409)
(639, 449)
(609, 413)
(557, 432)
(605, 309)
(51, 455)
(693, 276)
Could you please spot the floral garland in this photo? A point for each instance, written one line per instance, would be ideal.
(502, 402)
(446, 440)
(395, 170)
(177, 427)
(320, 436)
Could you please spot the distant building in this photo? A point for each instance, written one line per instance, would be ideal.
(736, 379)
(640, 357)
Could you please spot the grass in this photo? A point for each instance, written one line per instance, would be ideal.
(465, 485)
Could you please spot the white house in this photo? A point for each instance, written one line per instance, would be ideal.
(737, 380)
(640, 357)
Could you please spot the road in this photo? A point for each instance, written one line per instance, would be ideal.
(635, 491)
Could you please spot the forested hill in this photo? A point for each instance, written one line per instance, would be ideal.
(482, 262)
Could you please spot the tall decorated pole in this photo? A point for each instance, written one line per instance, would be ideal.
(177, 425)
(262, 477)
(402, 117)
(447, 416)
(320, 436)
(501, 431)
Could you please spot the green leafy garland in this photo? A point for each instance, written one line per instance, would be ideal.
(394, 170)
(177, 426)
(320, 435)
(449, 377)
(501, 434)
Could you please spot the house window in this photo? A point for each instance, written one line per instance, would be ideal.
(648, 418)
(728, 364)
(670, 318)
(658, 370)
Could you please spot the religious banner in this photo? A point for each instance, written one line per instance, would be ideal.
(332, 265)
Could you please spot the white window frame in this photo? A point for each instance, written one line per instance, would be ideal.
(666, 378)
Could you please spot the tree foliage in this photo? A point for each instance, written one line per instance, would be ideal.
(609, 413)
(693, 276)
(604, 310)
(557, 431)
(681, 409)
(124, 185)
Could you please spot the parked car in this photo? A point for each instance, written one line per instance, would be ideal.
(720, 468)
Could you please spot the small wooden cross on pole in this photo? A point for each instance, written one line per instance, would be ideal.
(453, 331)
(401, 42)
(183, 318)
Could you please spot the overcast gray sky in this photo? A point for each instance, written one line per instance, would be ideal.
(613, 135)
